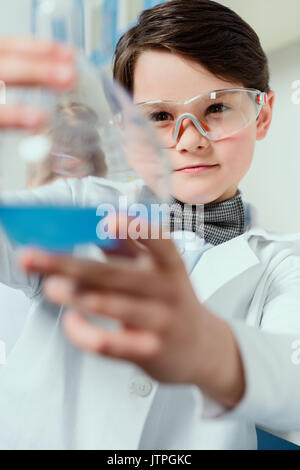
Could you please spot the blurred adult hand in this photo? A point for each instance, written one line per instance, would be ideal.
(29, 62)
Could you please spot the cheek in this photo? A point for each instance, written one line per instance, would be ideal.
(236, 153)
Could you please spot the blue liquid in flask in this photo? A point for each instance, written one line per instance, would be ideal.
(55, 229)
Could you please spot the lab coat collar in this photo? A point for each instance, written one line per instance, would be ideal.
(222, 263)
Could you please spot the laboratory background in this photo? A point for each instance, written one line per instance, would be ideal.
(273, 183)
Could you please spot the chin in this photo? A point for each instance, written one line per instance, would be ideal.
(194, 190)
(190, 198)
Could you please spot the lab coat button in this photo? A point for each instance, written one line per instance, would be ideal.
(141, 387)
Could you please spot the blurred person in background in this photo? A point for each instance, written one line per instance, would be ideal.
(74, 132)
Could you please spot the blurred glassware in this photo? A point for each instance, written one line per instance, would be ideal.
(88, 25)
(59, 20)
(96, 153)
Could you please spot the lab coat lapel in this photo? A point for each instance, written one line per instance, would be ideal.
(222, 263)
(225, 262)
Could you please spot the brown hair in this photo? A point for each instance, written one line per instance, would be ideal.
(201, 30)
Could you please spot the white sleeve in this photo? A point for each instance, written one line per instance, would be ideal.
(270, 356)
(10, 273)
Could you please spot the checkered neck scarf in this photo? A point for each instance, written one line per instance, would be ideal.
(216, 223)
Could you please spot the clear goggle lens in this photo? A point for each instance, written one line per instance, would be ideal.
(217, 115)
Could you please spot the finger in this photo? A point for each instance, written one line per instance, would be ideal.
(165, 254)
(153, 238)
(131, 345)
(122, 277)
(21, 117)
(118, 228)
(125, 248)
(35, 49)
(16, 71)
(131, 311)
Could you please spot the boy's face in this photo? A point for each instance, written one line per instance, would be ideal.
(166, 76)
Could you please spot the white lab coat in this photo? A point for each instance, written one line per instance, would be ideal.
(14, 306)
(53, 396)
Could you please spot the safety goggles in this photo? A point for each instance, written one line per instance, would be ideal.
(216, 114)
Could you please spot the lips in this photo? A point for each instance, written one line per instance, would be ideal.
(196, 167)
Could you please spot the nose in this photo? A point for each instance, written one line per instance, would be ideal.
(190, 138)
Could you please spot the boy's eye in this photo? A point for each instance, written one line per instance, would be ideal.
(216, 108)
(160, 116)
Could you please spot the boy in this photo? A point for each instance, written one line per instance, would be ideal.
(199, 360)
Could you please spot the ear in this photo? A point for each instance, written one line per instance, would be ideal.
(265, 117)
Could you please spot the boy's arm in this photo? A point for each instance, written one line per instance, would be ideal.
(271, 358)
(169, 339)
